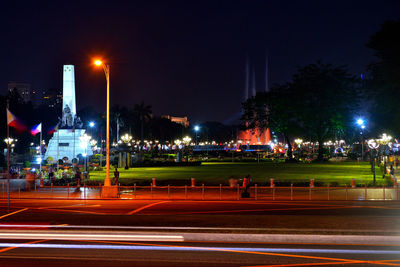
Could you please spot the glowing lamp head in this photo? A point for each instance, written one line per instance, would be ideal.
(91, 124)
(360, 122)
(98, 62)
(196, 128)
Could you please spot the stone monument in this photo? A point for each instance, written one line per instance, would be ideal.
(69, 141)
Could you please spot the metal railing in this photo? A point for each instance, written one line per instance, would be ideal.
(202, 192)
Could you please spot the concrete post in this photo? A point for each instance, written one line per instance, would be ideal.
(291, 191)
(271, 183)
(384, 193)
(220, 191)
(153, 180)
(353, 183)
(328, 193)
(193, 182)
(365, 194)
(185, 191)
(311, 183)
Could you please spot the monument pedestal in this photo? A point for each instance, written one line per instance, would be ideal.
(67, 143)
(109, 191)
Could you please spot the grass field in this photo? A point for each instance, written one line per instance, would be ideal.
(219, 173)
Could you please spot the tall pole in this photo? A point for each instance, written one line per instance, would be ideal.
(8, 161)
(40, 147)
(362, 147)
(107, 181)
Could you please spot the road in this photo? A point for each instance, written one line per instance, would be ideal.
(106, 253)
(204, 233)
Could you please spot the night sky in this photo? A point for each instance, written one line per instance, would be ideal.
(183, 58)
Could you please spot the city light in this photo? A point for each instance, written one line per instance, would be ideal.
(91, 124)
(197, 128)
(360, 122)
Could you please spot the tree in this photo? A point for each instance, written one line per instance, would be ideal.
(143, 113)
(384, 82)
(318, 103)
(325, 99)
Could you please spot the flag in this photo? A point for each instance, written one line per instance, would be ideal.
(12, 121)
(53, 129)
(36, 129)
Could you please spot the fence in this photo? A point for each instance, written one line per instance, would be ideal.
(203, 192)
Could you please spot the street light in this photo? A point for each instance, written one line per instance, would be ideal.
(373, 145)
(85, 139)
(196, 129)
(126, 138)
(361, 124)
(91, 124)
(107, 181)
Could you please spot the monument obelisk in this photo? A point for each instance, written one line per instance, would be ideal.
(67, 143)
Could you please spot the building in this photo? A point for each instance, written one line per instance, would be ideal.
(23, 89)
(51, 98)
(180, 120)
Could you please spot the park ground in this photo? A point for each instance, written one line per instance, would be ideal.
(215, 173)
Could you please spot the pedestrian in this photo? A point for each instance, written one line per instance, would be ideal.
(51, 174)
(391, 170)
(246, 183)
(78, 177)
(116, 176)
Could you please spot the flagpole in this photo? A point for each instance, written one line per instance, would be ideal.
(8, 160)
(58, 147)
(40, 147)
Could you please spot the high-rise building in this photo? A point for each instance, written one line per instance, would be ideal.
(23, 89)
(52, 98)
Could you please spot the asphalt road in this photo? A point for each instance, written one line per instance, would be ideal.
(373, 216)
(212, 219)
(103, 253)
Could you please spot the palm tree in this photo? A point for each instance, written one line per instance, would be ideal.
(143, 113)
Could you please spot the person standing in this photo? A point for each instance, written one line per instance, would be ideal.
(78, 177)
(116, 176)
(246, 182)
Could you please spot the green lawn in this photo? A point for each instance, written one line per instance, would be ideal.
(216, 173)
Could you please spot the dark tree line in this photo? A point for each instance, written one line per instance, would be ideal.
(322, 101)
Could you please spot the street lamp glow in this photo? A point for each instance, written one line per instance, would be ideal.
(98, 62)
(360, 122)
(197, 128)
(91, 124)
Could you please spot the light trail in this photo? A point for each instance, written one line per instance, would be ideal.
(92, 236)
(227, 249)
(189, 228)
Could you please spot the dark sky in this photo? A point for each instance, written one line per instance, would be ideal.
(183, 58)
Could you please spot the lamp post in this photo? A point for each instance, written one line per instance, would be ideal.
(126, 138)
(196, 130)
(107, 190)
(106, 68)
(360, 123)
(384, 141)
(85, 139)
(373, 145)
